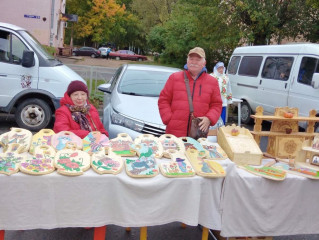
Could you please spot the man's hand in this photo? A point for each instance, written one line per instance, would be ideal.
(204, 124)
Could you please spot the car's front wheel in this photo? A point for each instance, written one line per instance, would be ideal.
(33, 114)
(93, 55)
(73, 54)
(118, 58)
(140, 59)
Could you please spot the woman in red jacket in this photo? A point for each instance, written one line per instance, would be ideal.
(76, 114)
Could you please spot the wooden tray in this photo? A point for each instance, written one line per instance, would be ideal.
(204, 167)
(19, 136)
(43, 137)
(63, 138)
(10, 161)
(178, 167)
(152, 142)
(241, 149)
(213, 150)
(191, 143)
(169, 142)
(122, 145)
(41, 163)
(266, 172)
(94, 142)
(106, 163)
(72, 162)
(298, 169)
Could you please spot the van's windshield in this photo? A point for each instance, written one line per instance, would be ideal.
(36, 45)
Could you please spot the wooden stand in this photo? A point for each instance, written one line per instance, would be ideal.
(284, 138)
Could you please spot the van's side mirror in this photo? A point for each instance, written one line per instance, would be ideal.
(105, 87)
(315, 81)
(28, 58)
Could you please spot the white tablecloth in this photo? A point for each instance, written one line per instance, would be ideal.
(54, 201)
(256, 206)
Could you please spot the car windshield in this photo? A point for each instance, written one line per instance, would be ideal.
(143, 83)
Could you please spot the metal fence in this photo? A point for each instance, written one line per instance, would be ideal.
(94, 76)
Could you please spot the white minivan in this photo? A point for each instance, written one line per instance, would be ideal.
(275, 76)
(32, 81)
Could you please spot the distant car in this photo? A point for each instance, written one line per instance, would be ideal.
(127, 55)
(130, 100)
(103, 51)
(86, 51)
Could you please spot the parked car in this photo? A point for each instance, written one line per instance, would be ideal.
(103, 51)
(127, 55)
(130, 100)
(86, 51)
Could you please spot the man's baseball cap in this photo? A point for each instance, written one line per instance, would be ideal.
(197, 50)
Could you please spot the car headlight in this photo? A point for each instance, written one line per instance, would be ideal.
(122, 120)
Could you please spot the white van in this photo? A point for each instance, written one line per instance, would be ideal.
(32, 81)
(275, 76)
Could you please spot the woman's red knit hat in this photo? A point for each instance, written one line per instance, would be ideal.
(77, 86)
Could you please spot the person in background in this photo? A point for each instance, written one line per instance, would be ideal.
(108, 53)
(173, 101)
(76, 114)
(224, 86)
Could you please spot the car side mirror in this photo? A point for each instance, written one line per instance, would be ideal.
(105, 87)
(315, 81)
(28, 58)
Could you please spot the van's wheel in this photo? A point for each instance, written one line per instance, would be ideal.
(245, 113)
(33, 114)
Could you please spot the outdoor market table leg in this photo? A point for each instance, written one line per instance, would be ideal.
(205, 234)
(99, 233)
(143, 233)
(1, 234)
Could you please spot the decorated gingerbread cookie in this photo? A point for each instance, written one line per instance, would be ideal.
(61, 139)
(178, 167)
(43, 137)
(71, 161)
(122, 145)
(94, 142)
(204, 167)
(145, 165)
(152, 142)
(191, 143)
(110, 163)
(169, 142)
(10, 161)
(42, 162)
(19, 136)
(213, 150)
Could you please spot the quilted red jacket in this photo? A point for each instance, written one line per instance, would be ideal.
(65, 122)
(173, 102)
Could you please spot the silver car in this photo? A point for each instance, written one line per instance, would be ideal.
(130, 100)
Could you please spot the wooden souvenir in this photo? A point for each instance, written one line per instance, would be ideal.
(169, 142)
(63, 138)
(145, 165)
(178, 167)
(94, 142)
(106, 163)
(191, 143)
(10, 161)
(213, 150)
(122, 145)
(284, 138)
(204, 167)
(19, 136)
(266, 172)
(43, 137)
(42, 162)
(239, 145)
(71, 161)
(298, 170)
(152, 142)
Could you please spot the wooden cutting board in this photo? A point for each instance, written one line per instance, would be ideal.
(152, 142)
(10, 161)
(63, 138)
(19, 136)
(213, 150)
(41, 163)
(170, 142)
(179, 166)
(191, 143)
(43, 137)
(103, 163)
(94, 142)
(122, 145)
(266, 172)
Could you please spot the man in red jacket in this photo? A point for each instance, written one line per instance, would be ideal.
(76, 114)
(173, 102)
